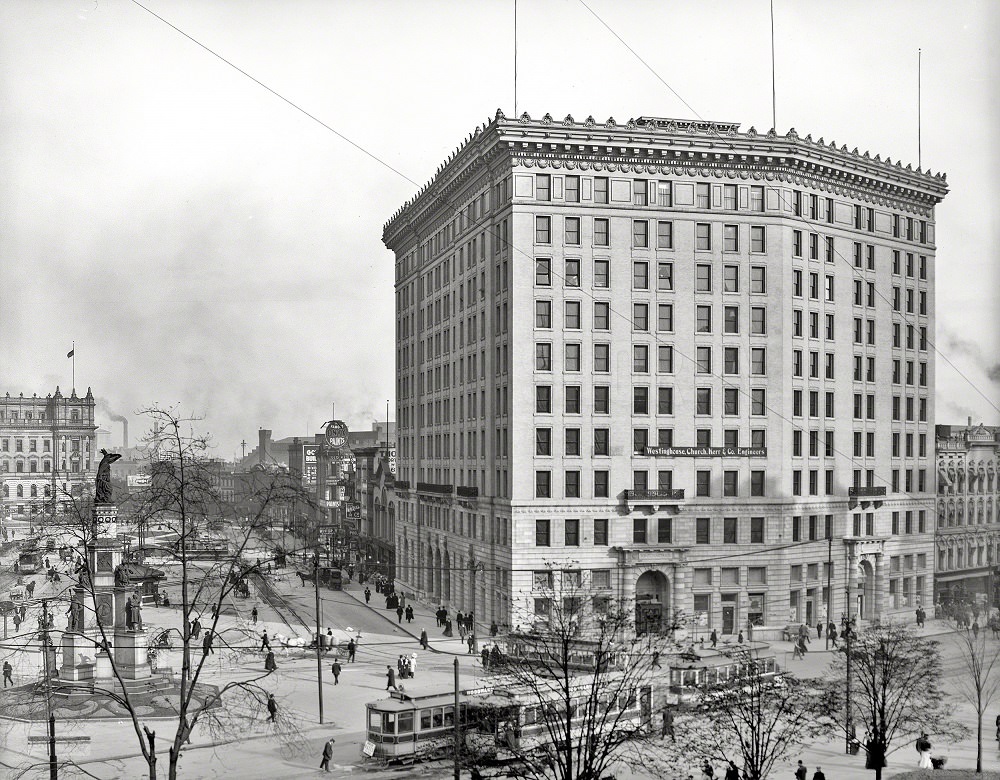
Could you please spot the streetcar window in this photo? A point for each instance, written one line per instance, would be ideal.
(425, 719)
(449, 715)
(438, 716)
(388, 722)
(374, 720)
(405, 722)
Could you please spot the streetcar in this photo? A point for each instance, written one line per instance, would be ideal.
(693, 670)
(500, 721)
(408, 727)
(29, 560)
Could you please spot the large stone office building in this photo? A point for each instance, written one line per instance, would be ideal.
(667, 359)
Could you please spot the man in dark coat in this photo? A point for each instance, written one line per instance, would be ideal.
(272, 708)
(423, 640)
(207, 644)
(390, 677)
(327, 754)
(335, 668)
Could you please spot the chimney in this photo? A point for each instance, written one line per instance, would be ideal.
(263, 445)
(333, 411)
(970, 421)
(124, 433)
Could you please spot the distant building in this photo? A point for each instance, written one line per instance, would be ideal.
(48, 452)
(668, 358)
(968, 512)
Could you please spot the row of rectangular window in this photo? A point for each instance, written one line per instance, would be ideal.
(641, 279)
(642, 238)
(572, 319)
(641, 192)
(703, 483)
(659, 530)
(640, 441)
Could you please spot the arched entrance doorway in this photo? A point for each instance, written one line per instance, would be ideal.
(652, 603)
(866, 590)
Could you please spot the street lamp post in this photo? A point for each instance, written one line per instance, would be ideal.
(475, 567)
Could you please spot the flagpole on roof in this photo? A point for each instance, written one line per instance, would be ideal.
(72, 356)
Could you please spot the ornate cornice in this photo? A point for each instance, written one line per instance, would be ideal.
(674, 147)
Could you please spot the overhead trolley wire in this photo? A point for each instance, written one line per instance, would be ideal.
(494, 231)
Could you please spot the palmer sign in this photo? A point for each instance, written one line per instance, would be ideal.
(707, 452)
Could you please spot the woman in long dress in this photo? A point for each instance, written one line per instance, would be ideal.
(924, 749)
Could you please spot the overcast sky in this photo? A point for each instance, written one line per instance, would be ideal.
(207, 245)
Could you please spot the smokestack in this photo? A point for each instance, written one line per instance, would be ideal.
(263, 444)
(970, 421)
(124, 433)
(333, 411)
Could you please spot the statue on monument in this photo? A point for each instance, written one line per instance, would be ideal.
(102, 488)
(122, 579)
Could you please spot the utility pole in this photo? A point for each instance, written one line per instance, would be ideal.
(849, 629)
(829, 584)
(243, 444)
(319, 655)
(458, 735)
(476, 567)
(53, 764)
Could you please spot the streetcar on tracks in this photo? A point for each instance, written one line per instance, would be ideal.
(29, 559)
(502, 720)
(700, 668)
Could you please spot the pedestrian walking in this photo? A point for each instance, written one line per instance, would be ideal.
(272, 708)
(269, 663)
(471, 641)
(800, 771)
(206, 646)
(368, 595)
(818, 774)
(399, 614)
(335, 668)
(493, 628)
(265, 643)
(215, 612)
(390, 677)
(804, 634)
(485, 656)
(351, 650)
(656, 660)
(253, 615)
(8, 671)
(732, 772)
(460, 622)
(424, 645)
(975, 629)
(714, 638)
(437, 614)
(409, 613)
(924, 751)
(195, 628)
(327, 754)
(668, 724)
(819, 630)
(707, 770)
(797, 649)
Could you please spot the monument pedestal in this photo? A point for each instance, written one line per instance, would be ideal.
(131, 656)
(75, 648)
(102, 669)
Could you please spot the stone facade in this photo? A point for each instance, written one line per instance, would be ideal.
(47, 452)
(968, 512)
(672, 357)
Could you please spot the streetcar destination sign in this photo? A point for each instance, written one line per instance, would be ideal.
(707, 452)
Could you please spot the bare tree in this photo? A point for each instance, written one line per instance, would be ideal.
(750, 710)
(895, 691)
(980, 681)
(585, 677)
(184, 500)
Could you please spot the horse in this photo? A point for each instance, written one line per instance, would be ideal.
(304, 578)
